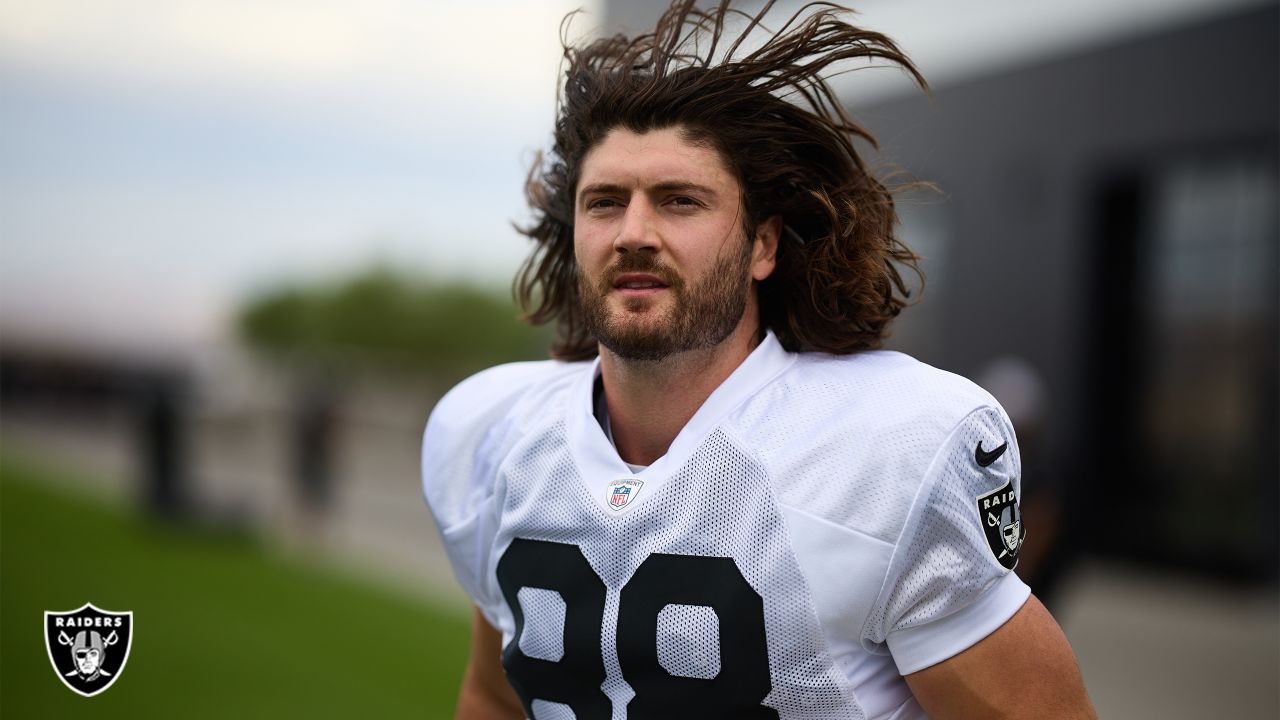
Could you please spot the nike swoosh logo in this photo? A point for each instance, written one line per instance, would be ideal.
(984, 457)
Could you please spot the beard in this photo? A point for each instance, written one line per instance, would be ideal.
(702, 316)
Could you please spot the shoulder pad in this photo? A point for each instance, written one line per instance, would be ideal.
(467, 424)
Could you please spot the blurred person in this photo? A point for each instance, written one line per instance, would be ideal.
(162, 407)
(721, 500)
(314, 436)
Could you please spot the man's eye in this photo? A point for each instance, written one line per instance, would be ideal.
(684, 201)
(601, 203)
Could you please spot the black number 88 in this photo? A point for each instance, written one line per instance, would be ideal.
(661, 580)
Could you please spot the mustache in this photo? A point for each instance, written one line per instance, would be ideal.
(639, 263)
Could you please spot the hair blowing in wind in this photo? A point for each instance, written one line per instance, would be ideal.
(761, 98)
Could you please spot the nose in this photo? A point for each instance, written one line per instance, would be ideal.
(638, 230)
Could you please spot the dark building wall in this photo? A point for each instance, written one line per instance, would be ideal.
(1017, 155)
(1047, 174)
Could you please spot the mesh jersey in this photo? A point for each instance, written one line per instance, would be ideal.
(813, 533)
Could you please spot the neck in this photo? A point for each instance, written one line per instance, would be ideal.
(649, 402)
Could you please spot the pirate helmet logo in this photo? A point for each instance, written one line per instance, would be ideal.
(88, 647)
(1010, 531)
(1002, 523)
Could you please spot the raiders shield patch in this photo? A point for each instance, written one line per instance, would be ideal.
(88, 647)
(1002, 523)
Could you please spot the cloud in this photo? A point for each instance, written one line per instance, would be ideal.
(427, 61)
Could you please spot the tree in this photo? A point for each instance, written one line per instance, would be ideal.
(386, 318)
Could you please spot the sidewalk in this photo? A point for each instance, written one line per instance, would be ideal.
(1155, 645)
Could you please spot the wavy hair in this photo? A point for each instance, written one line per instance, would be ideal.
(773, 117)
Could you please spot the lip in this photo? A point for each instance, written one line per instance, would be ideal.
(655, 284)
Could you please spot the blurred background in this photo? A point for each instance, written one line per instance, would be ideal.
(244, 246)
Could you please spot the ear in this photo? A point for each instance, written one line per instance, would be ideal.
(764, 250)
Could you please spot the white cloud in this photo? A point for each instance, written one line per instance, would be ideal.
(403, 63)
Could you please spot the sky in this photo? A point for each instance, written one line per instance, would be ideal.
(164, 160)
(160, 162)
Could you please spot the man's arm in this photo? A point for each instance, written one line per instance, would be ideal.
(485, 693)
(1025, 669)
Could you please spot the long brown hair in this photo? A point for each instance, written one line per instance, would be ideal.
(774, 119)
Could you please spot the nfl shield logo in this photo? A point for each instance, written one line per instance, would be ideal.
(88, 647)
(622, 492)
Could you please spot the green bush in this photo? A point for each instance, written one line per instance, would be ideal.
(385, 317)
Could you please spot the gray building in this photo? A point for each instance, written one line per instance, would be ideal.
(1111, 217)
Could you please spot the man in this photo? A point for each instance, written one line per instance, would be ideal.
(728, 504)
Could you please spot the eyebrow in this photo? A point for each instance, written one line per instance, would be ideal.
(669, 186)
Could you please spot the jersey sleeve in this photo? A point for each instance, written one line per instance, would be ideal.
(950, 582)
(461, 448)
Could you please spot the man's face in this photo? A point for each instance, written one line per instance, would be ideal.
(664, 265)
(87, 660)
(1011, 536)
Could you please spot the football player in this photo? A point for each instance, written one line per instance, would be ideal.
(720, 500)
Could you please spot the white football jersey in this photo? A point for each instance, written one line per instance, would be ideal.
(822, 526)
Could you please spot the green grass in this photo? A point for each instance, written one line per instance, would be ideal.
(222, 628)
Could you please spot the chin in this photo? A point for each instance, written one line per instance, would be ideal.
(639, 316)
(638, 304)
